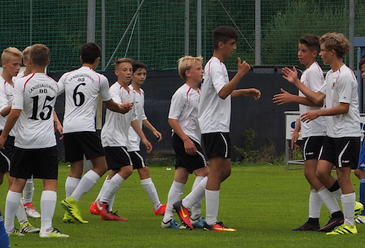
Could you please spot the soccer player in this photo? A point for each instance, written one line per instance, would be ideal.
(186, 140)
(11, 60)
(82, 88)
(360, 171)
(342, 142)
(214, 120)
(114, 135)
(35, 142)
(313, 134)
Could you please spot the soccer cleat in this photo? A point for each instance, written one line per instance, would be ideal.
(52, 233)
(161, 210)
(94, 209)
(70, 205)
(31, 211)
(332, 224)
(307, 227)
(360, 219)
(198, 223)
(343, 229)
(172, 224)
(105, 214)
(358, 209)
(183, 213)
(219, 227)
(67, 218)
(14, 232)
(28, 228)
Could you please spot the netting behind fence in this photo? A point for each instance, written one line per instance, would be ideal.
(157, 38)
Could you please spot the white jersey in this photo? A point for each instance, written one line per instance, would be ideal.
(214, 113)
(36, 96)
(341, 86)
(115, 130)
(82, 88)
(184, 108)
(313, 79)
(134, 139)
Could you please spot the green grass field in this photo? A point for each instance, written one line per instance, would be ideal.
(262, 202)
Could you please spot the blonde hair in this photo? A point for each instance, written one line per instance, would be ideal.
(337, 42)
(10, 51)
(122, 60)
(26, 53)
(185, 63)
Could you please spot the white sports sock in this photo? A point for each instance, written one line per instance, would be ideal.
(328, 200)
(151, 191)
(70, 185)
(194, 199)
(48, 206)
(11, 207)
(315, 204)
(337, 194)
(111, 203)
(114, 184)
(102, 190)
(86, 183)
(21, 214)
(348, 206)
(175, 194)
(28, 191)
(212, 206)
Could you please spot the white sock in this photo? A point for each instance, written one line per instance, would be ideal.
(328, 200)
(28, 191)
(315, 204)
(151, 191)
(194, 199)
(102, 190)
(86, 183)
(348, 205)
(70, 185)
(111, 203)
(114, 184)
(11, 206)
(48, 206)
(337, 194)
(21, 214)
(212, 206)
(175, 194)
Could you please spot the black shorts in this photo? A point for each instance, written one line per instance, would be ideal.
(137, 160)
(117, 157)
(6, 155)
(41, 163)
(189, 162)
(217, 145)
(342, 152)
(82, 143)
(312, 147)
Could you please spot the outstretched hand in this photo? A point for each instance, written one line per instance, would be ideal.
(282, 98)
(309, 116)
(290, 75)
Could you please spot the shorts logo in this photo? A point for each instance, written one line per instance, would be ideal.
(345, 161)
(362, 165)
(309, 153)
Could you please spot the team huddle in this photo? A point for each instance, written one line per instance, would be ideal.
(199, 117)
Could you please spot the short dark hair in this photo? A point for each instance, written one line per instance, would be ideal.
(223, 34)
(361, 62)
(137, 65)
(90, 52)
(39, 54)
(311, 42)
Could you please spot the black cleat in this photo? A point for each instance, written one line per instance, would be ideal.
(332, 223)
(307, 227)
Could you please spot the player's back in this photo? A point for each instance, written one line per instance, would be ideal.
(35, 96)
(82, 88)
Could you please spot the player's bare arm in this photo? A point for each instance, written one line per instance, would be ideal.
(57, 124)
(120, 108)
(140, 133)
(286, 97)
(295, 135)
(10, 122)
(243, 68)
(189, 145)
(156, 133)
(342, 108)
(255, 93)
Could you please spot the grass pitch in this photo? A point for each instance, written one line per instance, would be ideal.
(263, 202)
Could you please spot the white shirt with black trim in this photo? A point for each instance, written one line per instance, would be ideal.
(82, 88)
(214, 113)
(341, 86)
(313, 79)
(36, 96)
(115, 130)
(184, 108)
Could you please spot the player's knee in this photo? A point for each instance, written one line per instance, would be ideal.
(357, 173)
